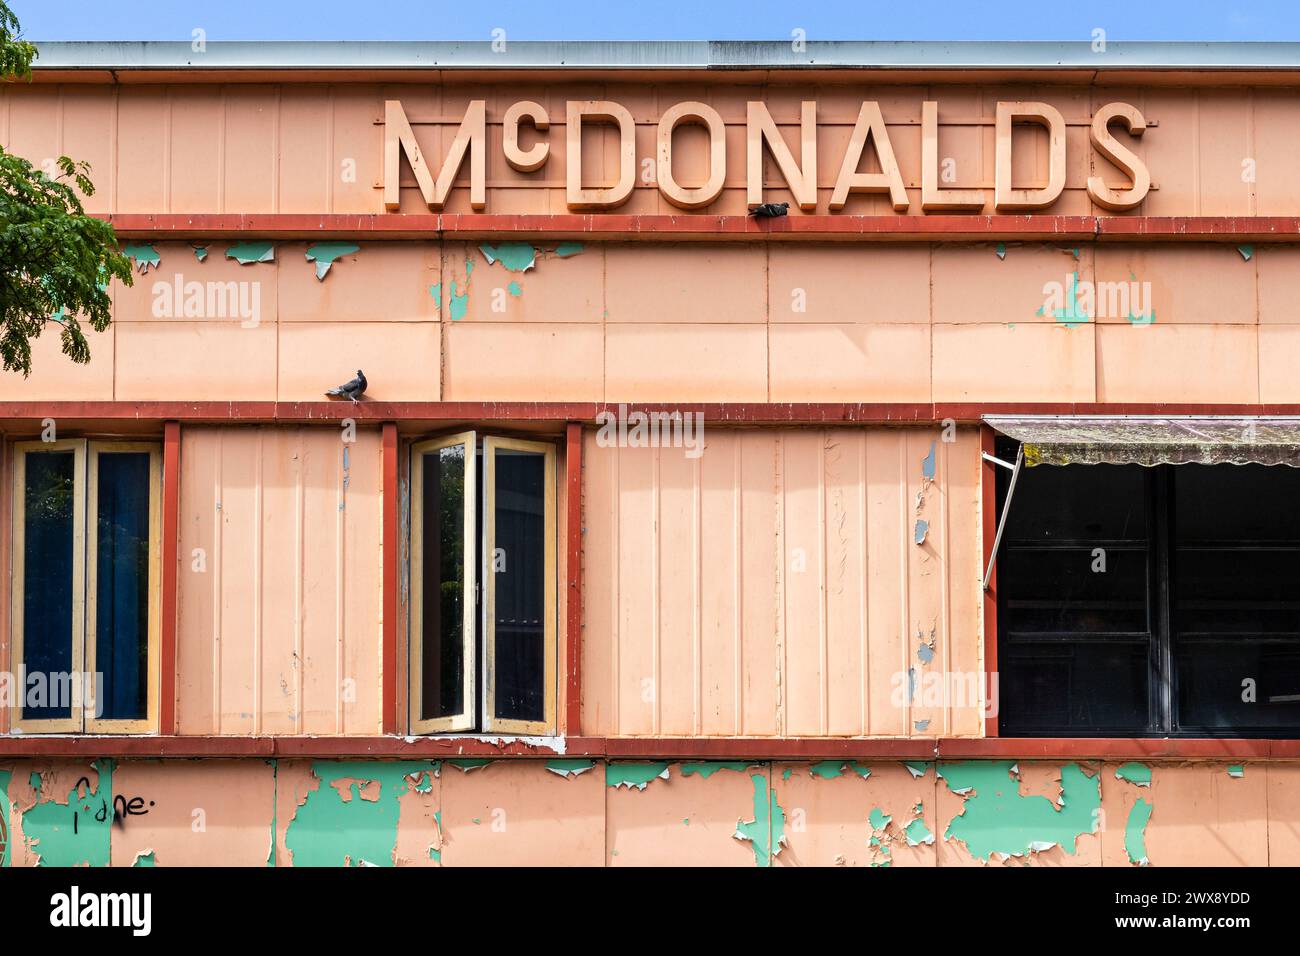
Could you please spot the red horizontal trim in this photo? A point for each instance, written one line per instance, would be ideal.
(770, 748)
(377, 746)
(715, 413)
(1139, 748)
(608, 226)
(659, 748)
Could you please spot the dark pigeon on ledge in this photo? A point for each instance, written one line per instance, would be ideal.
(770, 210)
(353, 389)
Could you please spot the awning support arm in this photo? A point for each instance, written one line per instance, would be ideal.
(1006, 509)
(997, 461)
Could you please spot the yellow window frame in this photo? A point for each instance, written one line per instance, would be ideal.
(84, 579)
(415, 668)
(100, 725)
(491, 724)
(17, 609)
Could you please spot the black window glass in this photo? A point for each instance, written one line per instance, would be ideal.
(122, 586)
(443, 662)
(47, 580)
(1150, 601)
(1073, 614)
(519, 566)
(1236, 598)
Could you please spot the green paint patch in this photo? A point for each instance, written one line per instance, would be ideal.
(435, 852)
(514, 289)
(514, 256)
(1246, 252)
(325, 254)
(917, 768)
(246, 253)
(766, 832)
(76, 831)
(347, 822)
(918, 833)
(566, 249)
(570, 767)
(424, 781)
(1147, 319)
(470, 763)
(1237, 770)
(5, 777)
(435, 290)
(707, 768)
(1135, 832)
(827, 769)
(1135, 773)
(200, 252)
(636, 775)
(459, 303)
(275, 810)
(880, 837)
(997, 818)
(830, 769)
(145, 859)
(1001, 250)
(145, 255)
(1072, 314)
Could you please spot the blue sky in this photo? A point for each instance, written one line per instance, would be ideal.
(660, 19)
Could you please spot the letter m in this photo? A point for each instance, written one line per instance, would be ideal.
(471, 137)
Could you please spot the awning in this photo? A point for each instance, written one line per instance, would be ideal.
(1149, 440)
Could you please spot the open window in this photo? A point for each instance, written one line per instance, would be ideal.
(1148, 579)
(483, 589)
(85, 601)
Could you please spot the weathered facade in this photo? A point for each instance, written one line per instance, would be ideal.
(738, 465)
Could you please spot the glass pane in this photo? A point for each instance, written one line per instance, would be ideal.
(519, 565)
(1213, 695)
(122, 587)
(1074, 689)
(47, 582)
(1236, 605)
(1074, 609)
(442, 670)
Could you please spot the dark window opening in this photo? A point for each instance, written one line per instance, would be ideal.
(1159, 601)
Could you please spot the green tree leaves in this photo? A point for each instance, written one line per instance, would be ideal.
(55, 261)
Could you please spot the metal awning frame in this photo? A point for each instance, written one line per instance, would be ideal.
(1006, 505)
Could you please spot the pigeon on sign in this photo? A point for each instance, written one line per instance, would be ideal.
(353, 389)
(770, 210)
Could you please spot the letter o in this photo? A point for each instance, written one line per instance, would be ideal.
(700, 114)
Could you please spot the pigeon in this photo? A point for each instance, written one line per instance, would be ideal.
(353, 389)
(770, 210)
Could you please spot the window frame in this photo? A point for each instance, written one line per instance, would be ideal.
(464, 721)
(105, 725)
(479, 630)
(84, 577)
(493, 724)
